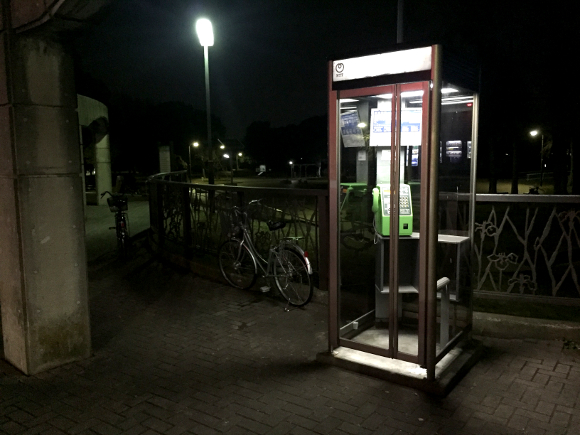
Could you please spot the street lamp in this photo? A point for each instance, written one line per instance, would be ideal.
(204, 31)
(291, 168)
(195, 145)
(227, 156)
(534, 133)
(237, 164)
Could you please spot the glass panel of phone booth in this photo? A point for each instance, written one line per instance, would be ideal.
(455, 171)
(369, 310)
(410, 142)
(358, 176)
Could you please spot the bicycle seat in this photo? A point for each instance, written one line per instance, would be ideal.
(273, 226)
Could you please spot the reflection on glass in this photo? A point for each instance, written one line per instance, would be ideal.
(409, 218)
(358, 172)
(367, 307)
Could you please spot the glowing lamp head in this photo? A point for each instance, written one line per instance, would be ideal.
(204, 32)
(534, 133)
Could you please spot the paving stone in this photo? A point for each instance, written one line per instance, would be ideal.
(165, 363)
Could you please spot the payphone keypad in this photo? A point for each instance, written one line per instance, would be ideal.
(404, 201)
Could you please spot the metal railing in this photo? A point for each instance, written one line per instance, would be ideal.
(527, 245)
(524, 245)
(194, 219)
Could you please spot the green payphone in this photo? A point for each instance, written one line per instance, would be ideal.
(382, 209)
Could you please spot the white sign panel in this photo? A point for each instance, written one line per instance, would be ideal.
(351, 133)
(397, 62)
(380, 128)
(411, 127)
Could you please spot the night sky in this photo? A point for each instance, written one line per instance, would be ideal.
(269, 58)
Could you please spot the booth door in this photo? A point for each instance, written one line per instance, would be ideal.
(381, 133)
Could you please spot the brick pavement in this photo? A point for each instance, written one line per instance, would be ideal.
(174, 353)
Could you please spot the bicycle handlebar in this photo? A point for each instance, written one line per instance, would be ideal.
(113, 195)
(242, 210)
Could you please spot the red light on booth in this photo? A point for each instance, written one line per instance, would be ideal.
(469, 104)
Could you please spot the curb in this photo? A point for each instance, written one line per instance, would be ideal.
(504, 326)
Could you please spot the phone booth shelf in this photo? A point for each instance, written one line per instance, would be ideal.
(402, 160)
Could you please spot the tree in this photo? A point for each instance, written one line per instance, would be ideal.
(139, 127)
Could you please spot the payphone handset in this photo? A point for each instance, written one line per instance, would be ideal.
(382, 209)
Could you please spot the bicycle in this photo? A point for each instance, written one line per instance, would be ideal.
(287, 263)
(118, 204)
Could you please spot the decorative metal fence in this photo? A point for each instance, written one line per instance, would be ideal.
(194, 219)
(523, 244)
(527, 245)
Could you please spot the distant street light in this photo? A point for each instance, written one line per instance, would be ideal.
(195, 145)
(291, 168)
(237, 164)
(534, 133)
(204, 31)
(227, 156)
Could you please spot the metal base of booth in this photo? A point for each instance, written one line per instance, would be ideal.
(448, 372)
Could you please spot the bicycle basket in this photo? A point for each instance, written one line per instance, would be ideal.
(117, 203)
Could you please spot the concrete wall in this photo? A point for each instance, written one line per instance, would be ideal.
(43, 276)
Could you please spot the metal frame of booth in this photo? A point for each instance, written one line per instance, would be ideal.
(437, 352)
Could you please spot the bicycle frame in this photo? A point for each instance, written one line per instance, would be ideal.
(121, 218)
(264, 265)
(118, 204)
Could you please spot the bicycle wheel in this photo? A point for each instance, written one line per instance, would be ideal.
(122, 238)
(292, 278)
(237, 264)
(122, 245)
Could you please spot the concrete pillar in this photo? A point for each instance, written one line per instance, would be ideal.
(43, 276)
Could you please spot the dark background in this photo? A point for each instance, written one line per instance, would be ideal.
(268, 70)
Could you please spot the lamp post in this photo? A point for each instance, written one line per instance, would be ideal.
(291, 168)
(237, 164)
(204, 31)
(534, 133)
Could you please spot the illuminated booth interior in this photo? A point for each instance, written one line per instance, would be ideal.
(402, 150)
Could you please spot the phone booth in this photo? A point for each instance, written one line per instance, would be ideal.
(402, 151)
